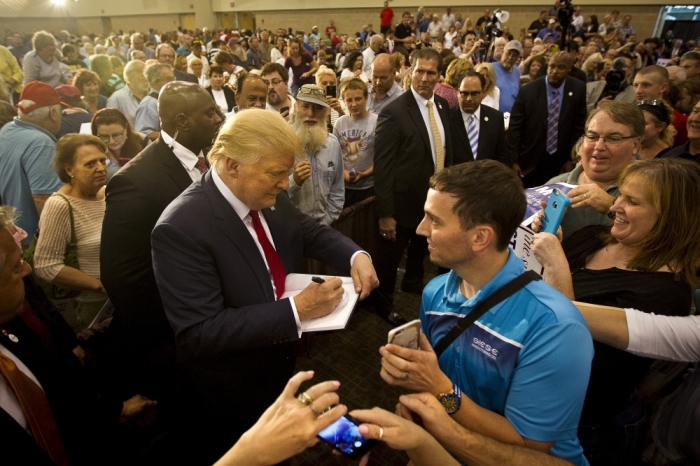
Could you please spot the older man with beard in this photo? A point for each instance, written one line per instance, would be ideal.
(316, 184)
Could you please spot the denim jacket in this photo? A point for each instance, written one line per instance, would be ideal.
(322, 195)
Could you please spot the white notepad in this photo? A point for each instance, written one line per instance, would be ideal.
(336, 320)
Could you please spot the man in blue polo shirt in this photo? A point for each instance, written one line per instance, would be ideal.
(27, 178)
(519, 374)
(508, 75)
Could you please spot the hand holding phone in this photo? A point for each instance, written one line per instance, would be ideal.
(406, 335)
(344, 435)
(554, 212)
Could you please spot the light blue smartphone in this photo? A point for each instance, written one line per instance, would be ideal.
(554, 212)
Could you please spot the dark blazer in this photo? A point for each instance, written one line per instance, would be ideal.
(136, 196)
(233, 339)
(492, 136)
(403, 161)
(84, 421)
(230, 96)
(187, 77)
(527, 131)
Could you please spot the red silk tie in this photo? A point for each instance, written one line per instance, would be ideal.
(271, 256)
(36, 409)
(201, 165)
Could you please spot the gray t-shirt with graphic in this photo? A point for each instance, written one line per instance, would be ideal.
(356, 139)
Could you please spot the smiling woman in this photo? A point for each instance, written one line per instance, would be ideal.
(638, 264)
(77, 209)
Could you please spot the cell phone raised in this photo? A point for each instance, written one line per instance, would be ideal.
(344, 435)
(406, 335)
(331, 90)
(554, 212)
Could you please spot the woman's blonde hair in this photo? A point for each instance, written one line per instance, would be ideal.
(323, 70)
(490, 89)
(253, 134)
(590, 61)
(456, 71)
(672, 186)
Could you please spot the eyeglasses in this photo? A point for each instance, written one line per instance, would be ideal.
(653, 103)
(613, 140)
(472, 94)
(274, 82)
(117, 137)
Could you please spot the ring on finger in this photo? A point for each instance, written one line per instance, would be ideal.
(305, 399)
(585, 195)
(405, 375)
(381, 433)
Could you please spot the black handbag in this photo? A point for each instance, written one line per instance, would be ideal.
(70, 259)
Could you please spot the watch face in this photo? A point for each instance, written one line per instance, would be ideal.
(451, 402)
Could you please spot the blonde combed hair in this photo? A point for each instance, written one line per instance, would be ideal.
(252, 134)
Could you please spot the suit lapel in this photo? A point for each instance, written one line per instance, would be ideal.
(462, 132)
(235, 230)
(485, 132)
(417, 117)
(174, 167)
(566, 103)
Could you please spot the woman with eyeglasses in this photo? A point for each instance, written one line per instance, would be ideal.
(123, 144)
(79, 208)
(658, 128)
(645, 260)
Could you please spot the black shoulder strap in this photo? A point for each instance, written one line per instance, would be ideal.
(501, 294)
(154, 94)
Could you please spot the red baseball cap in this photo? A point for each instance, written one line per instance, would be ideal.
(41, 94)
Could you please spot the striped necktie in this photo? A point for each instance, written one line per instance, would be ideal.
(439, 151)
(473, 134)
(553, 122)
(201, 165)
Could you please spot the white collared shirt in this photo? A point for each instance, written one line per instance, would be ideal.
(8, 399)
(477, 121)
(186, 157)
(423, 106)
(243, 212)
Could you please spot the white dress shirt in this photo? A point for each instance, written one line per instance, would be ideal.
(466, 116)
(8, 399)
(186, 157)
(423, 106)
(243, 212)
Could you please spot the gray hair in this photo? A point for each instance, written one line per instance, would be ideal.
(377, 38)
(41, 39)
(37, 115)
(132, 68)
(153, 72)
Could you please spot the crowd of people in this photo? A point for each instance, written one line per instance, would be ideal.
(158, 187)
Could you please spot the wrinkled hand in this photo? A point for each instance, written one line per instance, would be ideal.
(288, 426)
(302, 171)
(547, 250)
(387, 228)
(335, 105)
(399, 433)
(140, 409)
(421, 365)
(591, 195)
(318, 300)
(363, 275)
(432, 414)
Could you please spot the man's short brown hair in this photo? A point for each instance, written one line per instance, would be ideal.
(486, 193)
(270, 68)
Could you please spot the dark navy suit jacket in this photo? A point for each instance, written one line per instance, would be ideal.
(233, 338)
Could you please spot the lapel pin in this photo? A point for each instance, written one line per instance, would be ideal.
(272, 208)
(10, 336)
(486, 118)
(570, 94)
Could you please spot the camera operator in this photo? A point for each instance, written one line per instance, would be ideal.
(614, 87)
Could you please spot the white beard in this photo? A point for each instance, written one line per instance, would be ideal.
(311, 137)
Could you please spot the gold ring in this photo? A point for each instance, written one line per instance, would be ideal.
(305, 399)
(381, 433)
